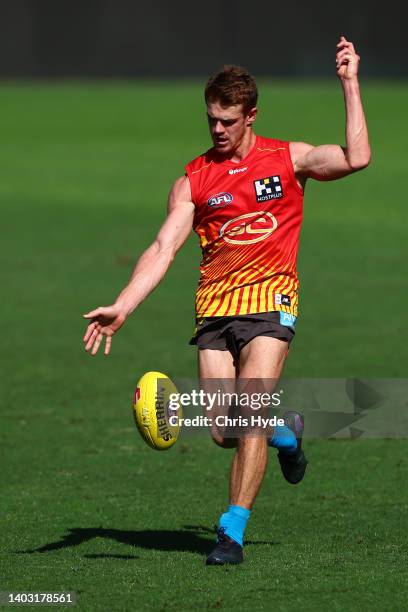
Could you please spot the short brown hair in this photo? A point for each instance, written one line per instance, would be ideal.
(232, 85)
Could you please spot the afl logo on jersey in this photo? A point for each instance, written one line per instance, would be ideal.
(252, 227)
(220, 199)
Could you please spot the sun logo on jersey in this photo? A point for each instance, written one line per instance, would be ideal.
(252, 227)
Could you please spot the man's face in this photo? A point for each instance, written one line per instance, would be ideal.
(228, 125)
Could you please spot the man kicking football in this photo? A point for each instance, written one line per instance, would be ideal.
(244, 199)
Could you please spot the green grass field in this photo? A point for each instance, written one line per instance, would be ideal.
(86, 506)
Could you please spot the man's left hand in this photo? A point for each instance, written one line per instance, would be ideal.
(347, 60)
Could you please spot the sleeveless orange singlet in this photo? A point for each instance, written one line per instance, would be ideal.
(248, 219)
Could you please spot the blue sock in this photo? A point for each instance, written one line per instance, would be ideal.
(284, 439)
(234, 522)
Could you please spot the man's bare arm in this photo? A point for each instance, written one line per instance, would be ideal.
(149, 270)
(329, 162)
(155, 261)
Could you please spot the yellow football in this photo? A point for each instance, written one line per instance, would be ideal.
(152, 410)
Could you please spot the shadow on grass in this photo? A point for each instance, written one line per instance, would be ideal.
(189, 539)
(108, 556)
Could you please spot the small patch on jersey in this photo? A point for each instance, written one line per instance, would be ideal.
(269, 188)
(280, 298)
(220, 199)
(237, 170)
(287, 319)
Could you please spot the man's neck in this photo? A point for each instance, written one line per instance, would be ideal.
(243, 148)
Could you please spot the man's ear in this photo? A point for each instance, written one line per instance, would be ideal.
(251, 116)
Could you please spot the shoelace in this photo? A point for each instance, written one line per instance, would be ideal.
(221, 536)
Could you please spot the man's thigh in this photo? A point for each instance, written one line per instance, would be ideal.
(215, 364)
(260, 367)
(263, 357)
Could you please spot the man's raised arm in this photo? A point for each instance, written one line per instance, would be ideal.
(329, 162)
(148, 272)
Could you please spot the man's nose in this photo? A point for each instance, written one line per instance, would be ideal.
(218, 127)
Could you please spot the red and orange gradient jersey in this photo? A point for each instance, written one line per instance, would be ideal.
(248, 219)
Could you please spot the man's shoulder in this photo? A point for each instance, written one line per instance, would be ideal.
(294, 148)
(268, 142)
(202, 160)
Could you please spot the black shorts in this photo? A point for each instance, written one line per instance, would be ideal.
(233, 333)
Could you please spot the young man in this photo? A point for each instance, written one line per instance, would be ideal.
(244, 199)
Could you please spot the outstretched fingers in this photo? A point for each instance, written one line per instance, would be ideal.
(91, 327)
(97, 342)
(108, 344)
(92, 337)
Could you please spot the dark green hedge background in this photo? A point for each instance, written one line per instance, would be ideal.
(126, 38)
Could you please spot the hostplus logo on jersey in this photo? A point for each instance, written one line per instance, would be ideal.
(269, 188)
(220, 199)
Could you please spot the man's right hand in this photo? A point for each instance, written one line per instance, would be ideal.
(105, 321)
